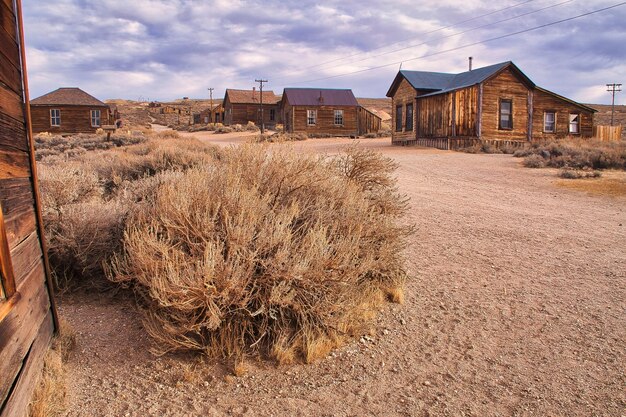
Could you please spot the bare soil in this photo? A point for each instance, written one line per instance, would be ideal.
(516, 307)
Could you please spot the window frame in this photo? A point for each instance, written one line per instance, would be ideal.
(545, 123)
(7, 278)
(338, 115)
(399, 116)
(311, 115)
(577, 124)
(98, 118)
(408, 121)
(53, 118)
(272, 115)
(510, 114)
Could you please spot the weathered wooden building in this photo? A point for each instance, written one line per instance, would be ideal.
(320, 111)
(213, 114)
(495, 103)
(243, 106)
(27, 313)
(368, 121)
(69, 110)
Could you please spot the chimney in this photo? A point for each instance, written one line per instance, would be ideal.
(253, 93)
(321, 99)
(470, 63)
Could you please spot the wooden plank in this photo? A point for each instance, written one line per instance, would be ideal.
(17, 403)
(10, 75)
(9, 48)
(11, 104)
(16, 196)
(12, 134)
(26, 256)
(20, 327)
(14, 164)
(20, 226)
(7, 20)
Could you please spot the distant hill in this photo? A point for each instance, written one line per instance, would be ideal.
(603, 116)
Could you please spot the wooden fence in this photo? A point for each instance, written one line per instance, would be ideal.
(607, 133)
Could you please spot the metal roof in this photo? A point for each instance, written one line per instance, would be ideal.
(319, 97)
(68, 96)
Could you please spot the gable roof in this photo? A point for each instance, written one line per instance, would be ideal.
(68, 96)
(582, 106)
(441, 82)
(250, 96)
(319, 97)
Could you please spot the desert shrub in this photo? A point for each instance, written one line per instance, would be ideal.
(569, 173)
(74, 145)
(224, 129)
(280, 137)
(168, 134)
(278, 253)
(579, 154)
(251, 127)
(534, 161)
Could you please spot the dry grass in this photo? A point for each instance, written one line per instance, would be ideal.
(274, 253)
(613, 186)
(50, 393)
(47, 145)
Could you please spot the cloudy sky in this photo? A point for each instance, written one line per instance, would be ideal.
(167, 49)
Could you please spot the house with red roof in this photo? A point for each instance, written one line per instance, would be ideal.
(243, 106)
(69, 110)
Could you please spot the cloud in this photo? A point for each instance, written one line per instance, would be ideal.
(165, 49)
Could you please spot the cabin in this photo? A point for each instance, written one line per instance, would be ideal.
(320, 111)
(69, 110)
(27, 311)
(243, 106)
(497, 103)
(368, 121)
(213, 114)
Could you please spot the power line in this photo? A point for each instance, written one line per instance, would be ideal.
(508, 35)
(261, 81)
(613, 88)
(424, 33)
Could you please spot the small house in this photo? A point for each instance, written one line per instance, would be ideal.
(321, 111)
(243, 106)
(213, 114)
(68, 110)
(497, 103)
(27, 312)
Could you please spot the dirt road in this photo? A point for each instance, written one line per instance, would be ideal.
(516, 307)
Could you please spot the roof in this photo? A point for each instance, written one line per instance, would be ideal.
(441, 82)
(582, 106)
(319, 97)
(68, 96)
(250, 96)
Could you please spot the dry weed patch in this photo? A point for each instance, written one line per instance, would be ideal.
(265, 252)
(579, 154)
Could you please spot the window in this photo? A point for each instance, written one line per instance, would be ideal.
(549, 122)
(95, 118)
(506, 114)
(272, 115)
(55, 117)
(398, 118)
(409, 117)
(311, 117)
(338, 117)
(574, 121)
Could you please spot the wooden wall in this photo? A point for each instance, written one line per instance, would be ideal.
(368, 121)
(27, 311)
(405, 94)
(236, 113)
(325, 120)
(505, 85)
(74, 119)
(543, 102)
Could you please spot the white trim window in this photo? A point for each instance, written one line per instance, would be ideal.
(95, 118)
(55, 117)
(574, 123)
(338, 117)
(311, 117)
(549, 122)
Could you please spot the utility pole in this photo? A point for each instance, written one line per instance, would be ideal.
(211, 108)
(613, 88)
(261, 81)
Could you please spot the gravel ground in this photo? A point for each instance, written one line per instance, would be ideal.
(516, 307)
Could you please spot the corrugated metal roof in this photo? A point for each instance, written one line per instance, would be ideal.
(250, 96)
(319, 97)
(67, 96)
(424, 80)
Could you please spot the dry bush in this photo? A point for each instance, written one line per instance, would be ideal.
(75, 145)
(279, 137)
(277, 253)
(534, 161)
(168, 134)
(572, 174)
(579, 154)
(223, 129)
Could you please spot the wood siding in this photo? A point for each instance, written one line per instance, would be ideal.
(74, 119)
(296, 120)
(368, 121)
(236, 113)
(506, 85)
(449, 115)
(405, 94)
(26, 311)
(545, 102)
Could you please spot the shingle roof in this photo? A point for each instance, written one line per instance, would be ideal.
(319, 97)
(441, 82)
(250, 96)
(67, 97)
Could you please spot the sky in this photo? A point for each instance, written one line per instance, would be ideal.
(168, 49)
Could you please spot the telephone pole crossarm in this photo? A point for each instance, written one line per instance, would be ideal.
(613, 88)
